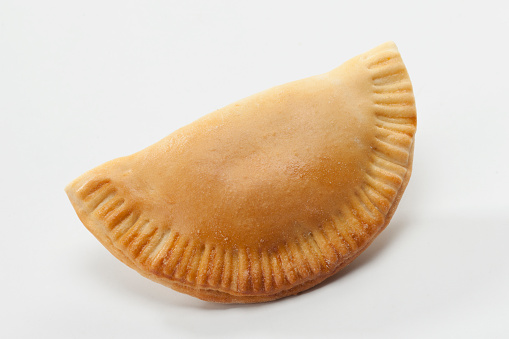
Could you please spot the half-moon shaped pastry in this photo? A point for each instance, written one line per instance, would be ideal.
(268, 196)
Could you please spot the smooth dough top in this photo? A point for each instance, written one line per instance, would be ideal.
(259, 171)
(272, 193)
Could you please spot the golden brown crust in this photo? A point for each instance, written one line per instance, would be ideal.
(268, 196)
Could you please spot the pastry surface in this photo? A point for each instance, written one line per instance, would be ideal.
(265, 197)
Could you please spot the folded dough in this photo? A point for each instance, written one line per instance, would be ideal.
(268, 196)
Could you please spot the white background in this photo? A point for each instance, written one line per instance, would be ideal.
(82, 82)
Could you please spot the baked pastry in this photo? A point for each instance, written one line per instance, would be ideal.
(268, 196)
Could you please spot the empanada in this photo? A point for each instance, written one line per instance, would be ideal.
(268, 196)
